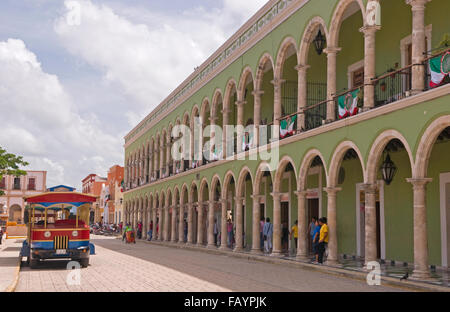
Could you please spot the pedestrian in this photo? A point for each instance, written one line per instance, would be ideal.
(230, 233)
(285, 236)
(1, 235)
(139, 230)
(150, 231)
(294, 233)
(311, 228)
(315, 242)
(215, 231)
(125, 230)
(261, 235)
(267, 232)
(323, 238)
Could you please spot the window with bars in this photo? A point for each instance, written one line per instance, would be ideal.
(3, 184)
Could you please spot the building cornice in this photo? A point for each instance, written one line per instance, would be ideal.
(361, 117)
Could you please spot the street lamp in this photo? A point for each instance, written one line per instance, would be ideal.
(388, 169)
(319, 42)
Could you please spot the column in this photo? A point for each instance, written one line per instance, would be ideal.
(421, 270)
(226, 120)
(418, 44)
(370, 223)
(257, 94)
(212, 142)
(154, 220)
(211, 224)
(302, 87)
(191, 152)
(150, 165)
(239, 224)
(277, 83)
(157, 153)
(173, 234)
(168, 146)
(256, 238)
(200, 225)
(369, 65)
(160, 225)
(331, 81)
(145, 221)
(223, 225)
(302, 247)
(190, 233)
(181, 225)
(332, 225)
(161, 160)
(240, 122)
(276, 240)
(166, 223)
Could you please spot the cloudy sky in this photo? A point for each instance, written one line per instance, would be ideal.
(72, 86)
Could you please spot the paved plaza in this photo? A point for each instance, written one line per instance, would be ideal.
(145, 267)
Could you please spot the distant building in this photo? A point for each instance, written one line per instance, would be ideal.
(12, 203)
(93, 184)
(115, 195)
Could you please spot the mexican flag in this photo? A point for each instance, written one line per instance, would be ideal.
(348, 104)
(247, 141)
(122, 186)
(437, 66)
(287, 126)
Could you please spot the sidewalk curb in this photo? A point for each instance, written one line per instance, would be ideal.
(361, 276)
(12, 287)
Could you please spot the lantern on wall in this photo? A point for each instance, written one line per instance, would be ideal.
(388, 169)
(319, 42)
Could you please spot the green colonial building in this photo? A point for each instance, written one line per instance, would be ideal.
(344, 110)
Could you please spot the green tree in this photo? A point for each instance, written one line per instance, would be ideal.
(9, 165)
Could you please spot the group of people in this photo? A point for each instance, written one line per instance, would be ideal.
(318, 231)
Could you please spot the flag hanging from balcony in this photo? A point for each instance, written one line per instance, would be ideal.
(247, 140)
(122, 186)
(439, 69)
(348, 104)
(287, 126)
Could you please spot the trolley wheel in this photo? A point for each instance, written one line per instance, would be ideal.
(84, 262)
(34, 263)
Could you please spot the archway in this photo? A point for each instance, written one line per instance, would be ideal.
(243, 210)
(228, 195)
(193, 219)
(202, 213)
(229, 137)
(245, 110)
(15, 214)
(264, 100)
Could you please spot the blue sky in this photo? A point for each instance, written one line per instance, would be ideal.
(69, 94)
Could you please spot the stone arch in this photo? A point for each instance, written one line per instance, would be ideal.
(287, 43)
(309, 35)
(240, 183)
(203, 184)
(205, 109)
(214, 183)
(215, 102)
(306, 164)
(229, 176)
(377, 149)
(263, 61)
(246, 74)
(336, 161)
(336, 20)
(231, 84)
(259, 175)
(282, 164)
(426, 144)
(192, 190)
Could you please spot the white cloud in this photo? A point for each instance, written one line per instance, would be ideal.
(40, 121)
(149, 58)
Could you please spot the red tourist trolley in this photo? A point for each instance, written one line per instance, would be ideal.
(58, 227)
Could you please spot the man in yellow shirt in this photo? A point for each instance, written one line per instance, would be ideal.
(294, 231)
(323, 238)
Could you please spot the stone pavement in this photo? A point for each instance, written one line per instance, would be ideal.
(146, 267)
(9, 257)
